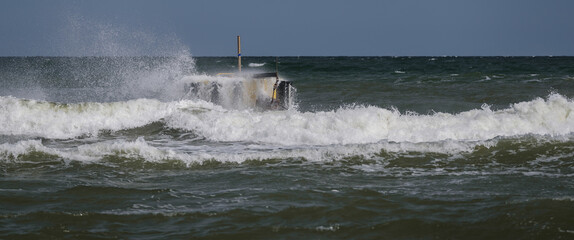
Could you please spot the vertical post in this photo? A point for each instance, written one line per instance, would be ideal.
(239, 53)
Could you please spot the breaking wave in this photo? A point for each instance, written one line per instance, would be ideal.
(347, 125)
(237, 136)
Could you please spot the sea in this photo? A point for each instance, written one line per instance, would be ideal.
(368, 148)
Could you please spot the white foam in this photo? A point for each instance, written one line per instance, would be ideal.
(236, 153)
(8, 150)
(60, 121)
(361, 125)
(130, 149)
(17, 150)
(191, 154)
(256, 64)
(344, 126)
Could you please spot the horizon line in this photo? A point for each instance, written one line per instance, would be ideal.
(297, 56)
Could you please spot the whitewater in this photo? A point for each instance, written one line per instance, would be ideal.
(371, 147)
(345, 127)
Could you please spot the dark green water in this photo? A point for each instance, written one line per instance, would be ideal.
(374, 148)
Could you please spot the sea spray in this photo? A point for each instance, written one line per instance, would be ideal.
(234, 92)
(101, 62)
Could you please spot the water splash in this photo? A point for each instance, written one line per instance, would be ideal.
(102, 62)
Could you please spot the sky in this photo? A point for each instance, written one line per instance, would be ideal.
(287, 28)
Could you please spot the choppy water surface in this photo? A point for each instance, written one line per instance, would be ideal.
(379, 147)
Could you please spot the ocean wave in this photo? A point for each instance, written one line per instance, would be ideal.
(63, 121)
(369, 124)
(394, 158)
(53, 120)
(35, 151)
(122, 152)
(344, 126)
(256, 64)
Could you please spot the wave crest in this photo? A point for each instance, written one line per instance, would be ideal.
(346, 125)
(360, 125)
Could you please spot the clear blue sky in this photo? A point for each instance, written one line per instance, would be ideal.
(288, 27)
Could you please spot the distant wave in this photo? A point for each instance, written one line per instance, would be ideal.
(256, 64)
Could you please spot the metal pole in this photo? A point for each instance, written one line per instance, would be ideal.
(239, 53)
